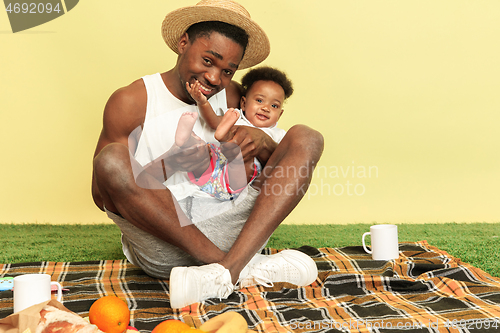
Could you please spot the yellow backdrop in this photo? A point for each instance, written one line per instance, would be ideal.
(406, 94)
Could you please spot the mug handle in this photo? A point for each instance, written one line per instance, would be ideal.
(59, 290)
(364, 245)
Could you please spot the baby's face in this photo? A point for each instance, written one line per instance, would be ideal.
(263, 103)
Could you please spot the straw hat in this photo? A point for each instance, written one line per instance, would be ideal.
(228, 11)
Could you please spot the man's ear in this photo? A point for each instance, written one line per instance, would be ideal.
(183, 43)
(242, 103)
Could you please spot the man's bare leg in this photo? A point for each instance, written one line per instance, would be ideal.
(297, 154)
(283, 183)
(151, 208)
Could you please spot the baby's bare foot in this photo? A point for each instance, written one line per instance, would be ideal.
(185, 128)
(227, 121)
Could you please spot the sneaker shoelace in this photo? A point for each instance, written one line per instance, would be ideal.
(222, 286)
(264, 274)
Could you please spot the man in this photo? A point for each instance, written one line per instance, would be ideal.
(136, 159)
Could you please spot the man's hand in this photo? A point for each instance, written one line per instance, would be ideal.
(193, 158)
(252, 142)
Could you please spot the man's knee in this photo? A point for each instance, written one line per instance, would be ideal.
(112, 163)
(307, 139)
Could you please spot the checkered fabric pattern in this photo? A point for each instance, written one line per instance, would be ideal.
(425, 290)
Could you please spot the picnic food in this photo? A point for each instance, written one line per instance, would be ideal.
(53, 320)
(171, 326)
(110, 314)
(228, 322)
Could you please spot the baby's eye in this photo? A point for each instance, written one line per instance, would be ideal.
(275, 106)
(259, 100)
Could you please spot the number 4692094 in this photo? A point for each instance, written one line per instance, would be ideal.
(32, 8)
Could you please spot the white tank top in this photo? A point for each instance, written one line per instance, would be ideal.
(163, 111)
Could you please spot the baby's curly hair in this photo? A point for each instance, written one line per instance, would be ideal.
(266, 73)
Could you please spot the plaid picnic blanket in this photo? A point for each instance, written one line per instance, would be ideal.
(425, 290)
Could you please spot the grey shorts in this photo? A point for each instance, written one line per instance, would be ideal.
(157, 257)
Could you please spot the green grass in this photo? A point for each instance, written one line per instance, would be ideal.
(476, 243)
(60, 243)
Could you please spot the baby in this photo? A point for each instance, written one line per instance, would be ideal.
(265, 90)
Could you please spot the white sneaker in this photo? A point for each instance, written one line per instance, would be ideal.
(197, 283)
(286, 266)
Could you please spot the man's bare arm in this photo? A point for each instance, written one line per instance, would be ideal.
(123, 113)
(123, 119)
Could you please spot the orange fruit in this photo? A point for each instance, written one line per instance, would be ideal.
(110, 314)
(193, 330)
(171, 326)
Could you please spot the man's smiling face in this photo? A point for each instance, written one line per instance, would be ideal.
(210, 60)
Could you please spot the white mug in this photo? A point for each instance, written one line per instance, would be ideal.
(31, 289)
(384, 240)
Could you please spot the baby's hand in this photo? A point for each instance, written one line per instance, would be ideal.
(194, 91)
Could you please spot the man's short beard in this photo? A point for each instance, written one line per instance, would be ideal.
(188, 95)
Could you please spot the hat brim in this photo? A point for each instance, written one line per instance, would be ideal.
(178, 21)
